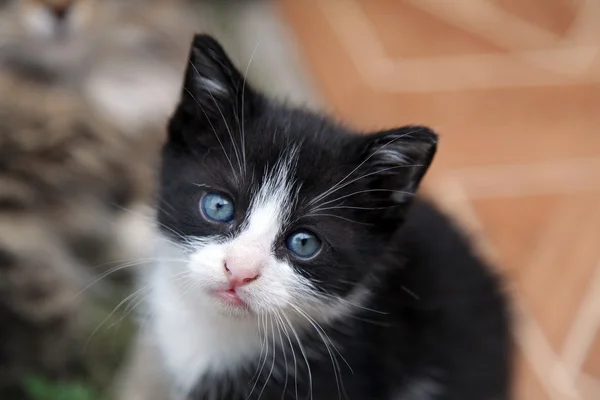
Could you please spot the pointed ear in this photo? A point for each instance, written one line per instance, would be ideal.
(211, 80)
(397, 160)
(214, 91)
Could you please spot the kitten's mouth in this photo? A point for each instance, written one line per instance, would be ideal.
(230, 296)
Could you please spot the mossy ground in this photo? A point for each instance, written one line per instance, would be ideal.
(104, 346)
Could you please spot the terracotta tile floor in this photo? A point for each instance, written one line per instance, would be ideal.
(513, 87)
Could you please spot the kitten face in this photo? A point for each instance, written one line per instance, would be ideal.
(276, 210)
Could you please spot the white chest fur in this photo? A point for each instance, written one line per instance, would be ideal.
(194, 339)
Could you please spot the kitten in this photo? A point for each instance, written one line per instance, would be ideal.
(122, 55)
(296, 262)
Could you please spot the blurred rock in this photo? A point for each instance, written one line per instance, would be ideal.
(124, 56)
(68, 179)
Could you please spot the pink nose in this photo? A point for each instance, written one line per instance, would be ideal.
(240, 276)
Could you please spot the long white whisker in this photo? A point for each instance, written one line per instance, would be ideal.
(129, 309)
(334, 216)
(262, 347)
(362, 191)
(266, 356)
(336, 187)
(350, 208)
(116, 269)
(330, 297)
(287, 334)
(152, 220)
(310, 383)
(125, 300)
(237, 155)
(365, 176)
(321, 332)
(282, 343)
(272, 362)
(214, 130)
(243, 129)
(191, 285)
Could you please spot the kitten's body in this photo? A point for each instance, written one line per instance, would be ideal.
(426, 324)
(393, 304)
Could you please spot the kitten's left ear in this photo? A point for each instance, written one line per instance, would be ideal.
(397, 159)
(213, 87)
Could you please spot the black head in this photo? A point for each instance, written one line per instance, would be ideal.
(277, 206)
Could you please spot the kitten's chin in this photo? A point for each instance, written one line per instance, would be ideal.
(236, 313)
(228, 303)
(232, 310)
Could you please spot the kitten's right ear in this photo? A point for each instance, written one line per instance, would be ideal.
(397, 160)
(214, 90)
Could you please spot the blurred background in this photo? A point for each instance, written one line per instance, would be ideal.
(86, 86)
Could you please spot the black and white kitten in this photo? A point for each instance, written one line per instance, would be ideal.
(296, 263)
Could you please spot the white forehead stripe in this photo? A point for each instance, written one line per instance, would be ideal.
(271, 204)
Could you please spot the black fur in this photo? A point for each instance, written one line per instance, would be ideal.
(436, 323)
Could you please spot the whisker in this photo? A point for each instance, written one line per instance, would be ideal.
(193, 285)
(165, 202)
(273, 362)
(410, 292)
(104, 275)
(325, 339)
(364, 191)
(279, 328)
(333, 216)
(214, 130)
(154, 221)
(129, 309)
(310, 384)
(243, 129)
(237, 155)
(266, 355)
(331, 297)
(287, 334)
(336, 187)
(262, 348)
(352, 208)
(125, 300)
(365, 176)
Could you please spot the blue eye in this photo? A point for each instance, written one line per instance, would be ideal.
(303, 244)
(217, 207)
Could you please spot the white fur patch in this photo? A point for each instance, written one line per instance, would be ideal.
(212, 86)
(392, 156)
(195, 331)
(199, 333)
(191, 336)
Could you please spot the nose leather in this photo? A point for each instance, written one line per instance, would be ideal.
(244, 263)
